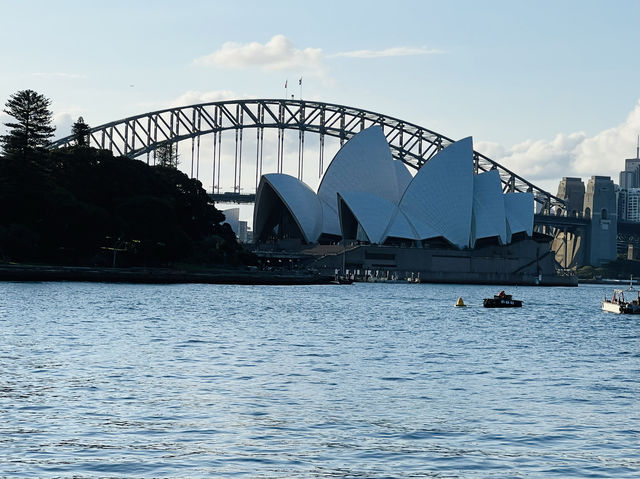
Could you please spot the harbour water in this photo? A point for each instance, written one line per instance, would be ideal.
(359, 381)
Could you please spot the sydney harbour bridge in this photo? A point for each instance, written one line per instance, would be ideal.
(139, 136)
(218, 131)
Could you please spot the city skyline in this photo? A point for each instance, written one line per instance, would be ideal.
(547, 90)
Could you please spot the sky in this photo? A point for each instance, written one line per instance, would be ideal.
(546, 88)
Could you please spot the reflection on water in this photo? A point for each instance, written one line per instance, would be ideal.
(368, 380)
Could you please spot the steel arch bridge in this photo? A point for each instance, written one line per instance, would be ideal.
(140, 135)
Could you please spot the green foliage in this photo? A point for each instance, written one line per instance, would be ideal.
(618, 269)
(31, 129)
(74, 206)
(80, 132)
(586, 272)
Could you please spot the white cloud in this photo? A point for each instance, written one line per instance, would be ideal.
(193, 97)
(279, 53)
(388, 52)
(576, 154)
(63, 122)
(607, 149)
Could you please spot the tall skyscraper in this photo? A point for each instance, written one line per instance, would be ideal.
(622, 194)
(630, 177)
(629, 191)
(627, 180)
(633, 205)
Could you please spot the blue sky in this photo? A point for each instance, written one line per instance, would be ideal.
(549, 88)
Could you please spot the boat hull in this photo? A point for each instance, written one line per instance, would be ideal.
(610, 307)
(620, 308)
(501, 303)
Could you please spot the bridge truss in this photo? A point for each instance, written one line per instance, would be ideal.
(139, 136)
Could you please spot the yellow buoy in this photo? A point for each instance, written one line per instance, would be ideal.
(460, 303)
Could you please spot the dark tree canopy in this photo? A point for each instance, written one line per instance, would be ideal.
(78, 205)
(80, 132)
(32, 128)
(75, 205)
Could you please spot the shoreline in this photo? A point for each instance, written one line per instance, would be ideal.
(609, 281)
(140, 275)
(240, 276)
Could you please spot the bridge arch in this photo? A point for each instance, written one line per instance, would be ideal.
(412, 144)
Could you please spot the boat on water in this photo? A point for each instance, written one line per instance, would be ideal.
(620, 305)
(501, 300)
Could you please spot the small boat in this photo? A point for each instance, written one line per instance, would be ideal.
(619, 305)
(501, 300)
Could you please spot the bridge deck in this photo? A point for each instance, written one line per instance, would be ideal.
(559, 221)
(232, 197)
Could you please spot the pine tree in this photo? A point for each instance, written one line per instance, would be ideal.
(80, 131)
(167, 155)
(32, 129)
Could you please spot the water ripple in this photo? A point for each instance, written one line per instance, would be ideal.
(380, 381)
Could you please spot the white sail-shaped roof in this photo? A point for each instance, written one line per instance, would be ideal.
(297, 197)
(439, 199)
(400, 227)
(488, 218)
(403, 177)
(365, 193)
(363, 164)
(372, 212)
(519, 213)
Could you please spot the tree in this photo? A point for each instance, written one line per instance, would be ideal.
(32, 129)
(80, 131)
(167, 155)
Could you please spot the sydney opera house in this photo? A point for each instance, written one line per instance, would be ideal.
(446, 223)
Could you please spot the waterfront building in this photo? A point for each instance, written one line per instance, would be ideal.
(630, 177)
(632, 168)
(621, 201)
(370, 217)
(366, 196)
(632, 211)
(627, 195)
(627, 179)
